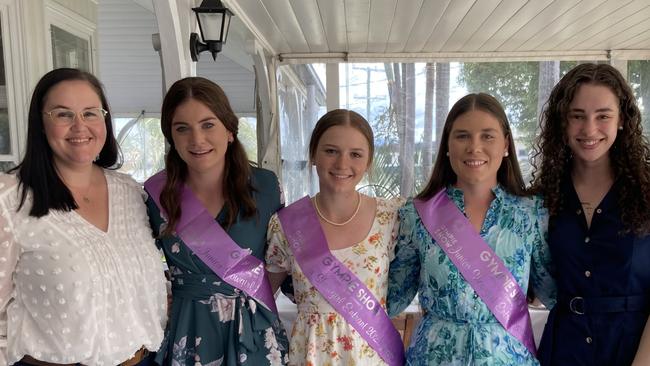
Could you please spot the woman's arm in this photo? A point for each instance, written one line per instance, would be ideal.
(542, 272)
(642, 357)
(278, 257)
(404, 272)
(8, 261)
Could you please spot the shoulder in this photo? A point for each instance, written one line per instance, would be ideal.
(265, 182)
(390, 204)
(263, 177)
(407, 210)
(123, 181)
(115, 177)
(8, 182)
(523, 202)
(9, 192)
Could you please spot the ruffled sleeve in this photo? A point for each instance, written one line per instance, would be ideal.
(278, 258)
(8, 260)
(542, 269)
(404, 272)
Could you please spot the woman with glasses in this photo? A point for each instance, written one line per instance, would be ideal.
(81, 280)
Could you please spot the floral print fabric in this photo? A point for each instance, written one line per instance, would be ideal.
(320, 335)
(212, 323)
(457, 327)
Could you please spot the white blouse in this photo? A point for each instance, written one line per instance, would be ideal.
(70, 292)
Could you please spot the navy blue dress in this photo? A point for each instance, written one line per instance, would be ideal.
(603, 283)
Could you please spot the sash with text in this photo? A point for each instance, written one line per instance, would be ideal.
(203, 235)
(338, 285)
(479, 265)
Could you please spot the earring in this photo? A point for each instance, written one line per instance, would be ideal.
(506, 154)
(620, 128)
(447, 153)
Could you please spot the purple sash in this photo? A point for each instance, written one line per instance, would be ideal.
(338, 285)
(478, 264)
(207, 240)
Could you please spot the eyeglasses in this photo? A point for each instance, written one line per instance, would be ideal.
(64, 116)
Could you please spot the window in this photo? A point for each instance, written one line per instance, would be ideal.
(247, 135)
(639, 78)
(69, 50)
(407, 104)
(142, 144)
(71, 38)
(8, 132)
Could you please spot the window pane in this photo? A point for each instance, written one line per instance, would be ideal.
(639, 78)
(5, 135)
(247, 135)
(143, 146)
(407, 105)
(69, 50)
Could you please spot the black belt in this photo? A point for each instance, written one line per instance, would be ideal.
(616, 304)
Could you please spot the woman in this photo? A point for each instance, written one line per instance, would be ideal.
(80, 278)
(471, 213)
(346, 233)
(210, 201)
(592, 170)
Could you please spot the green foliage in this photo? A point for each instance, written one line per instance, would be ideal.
(384, 177)
(514, 84)
(143, 148)
(639, 78)
(248, 137)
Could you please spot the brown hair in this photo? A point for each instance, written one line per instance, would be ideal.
(237, 187)
(342, 117)
(508, 175)
(552, 160)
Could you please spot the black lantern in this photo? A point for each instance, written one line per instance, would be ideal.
(214, 20)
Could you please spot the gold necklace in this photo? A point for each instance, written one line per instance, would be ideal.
(356, 211)
(84, 196)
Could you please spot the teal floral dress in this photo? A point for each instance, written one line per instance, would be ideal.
(457, 327)
(212, 323)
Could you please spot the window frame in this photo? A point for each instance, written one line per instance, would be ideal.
(73, 23)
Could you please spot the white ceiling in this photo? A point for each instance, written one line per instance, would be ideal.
(430, 27)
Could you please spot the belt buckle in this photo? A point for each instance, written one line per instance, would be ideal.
(577, 305)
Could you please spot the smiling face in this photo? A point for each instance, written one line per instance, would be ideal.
(200, 138)
(592, 123)
(78, 143)
(341, 158)
(477, 145)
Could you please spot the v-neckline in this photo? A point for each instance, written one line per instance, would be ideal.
(110, 198)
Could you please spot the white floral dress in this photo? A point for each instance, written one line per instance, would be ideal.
(320, 335)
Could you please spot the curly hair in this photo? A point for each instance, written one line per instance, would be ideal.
(629, 155)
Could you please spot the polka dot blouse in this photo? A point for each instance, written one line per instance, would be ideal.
(70, 292)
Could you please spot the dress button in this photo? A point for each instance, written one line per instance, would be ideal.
(587, 240)
(599, 210)
(587, 273)
(588, 340)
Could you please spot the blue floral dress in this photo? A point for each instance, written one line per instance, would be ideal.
(212, 323)
(457, 327)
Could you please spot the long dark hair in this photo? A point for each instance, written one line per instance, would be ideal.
(37, 173)
(629, 155)
(508, 175)
(237, 186)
